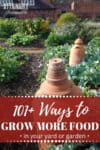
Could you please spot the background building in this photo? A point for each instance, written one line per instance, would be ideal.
(49, 8)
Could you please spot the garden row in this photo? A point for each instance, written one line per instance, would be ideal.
(23, 32)
(58, 44)
(87, 74)
(65, 30)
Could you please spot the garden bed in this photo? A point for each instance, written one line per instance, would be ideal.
(36, 45)
(26, 84)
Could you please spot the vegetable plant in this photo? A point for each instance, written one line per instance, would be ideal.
(20, 39)
(10, 62)
(7, 27)
(86, 74)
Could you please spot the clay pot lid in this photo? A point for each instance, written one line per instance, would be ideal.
(79, 41)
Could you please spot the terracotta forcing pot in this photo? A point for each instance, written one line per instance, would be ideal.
(56, 83)
(77, 52)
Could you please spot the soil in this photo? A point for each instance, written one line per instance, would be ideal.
(26, 84)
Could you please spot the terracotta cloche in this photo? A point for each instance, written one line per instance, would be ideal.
(77, 52)
(57, 82)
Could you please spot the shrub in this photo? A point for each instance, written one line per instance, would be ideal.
(66, 18)
(37, 27)
(65, 34)
(20, 39)
(85, 34)
(71, 31)
(55, 39)
(41, 28)
(74, 29)
(10, 62)
(7, 27)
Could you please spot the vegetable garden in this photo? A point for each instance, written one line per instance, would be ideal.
(22, 73)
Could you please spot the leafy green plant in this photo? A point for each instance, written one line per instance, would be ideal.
(70, 31)
(10, 62)
(55, 39)
(20, 39)
(95, 42)
(7, 27)
(86, 74)
(37, 27)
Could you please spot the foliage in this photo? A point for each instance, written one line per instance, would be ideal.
(7, 27)
(44, 25)
(37, 27)
(20, 39)
(96, 33)
(66, 18)
(55, 39)
(92, 24)
(85, 34)
(95, 42)
(76, 146)
(67, 33)
(73, 30)
(70, 31)
(92, 29)
(10, 62)
(88, 92)
(61, 51)
(54, 52)
(86, 74)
